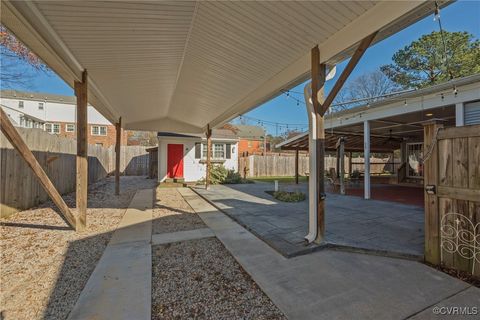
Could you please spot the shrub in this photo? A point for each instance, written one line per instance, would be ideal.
(286, 196)
(221, 175)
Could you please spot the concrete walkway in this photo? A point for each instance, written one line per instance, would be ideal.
(120, 285)
(381, 227)
(337, 285)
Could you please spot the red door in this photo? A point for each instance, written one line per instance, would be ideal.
(175, 160)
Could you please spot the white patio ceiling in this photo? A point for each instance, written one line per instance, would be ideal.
(178, 66)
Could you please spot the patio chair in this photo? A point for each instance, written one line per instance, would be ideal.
(334, 180)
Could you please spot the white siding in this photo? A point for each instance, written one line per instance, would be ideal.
(193, 169)
(53, 111)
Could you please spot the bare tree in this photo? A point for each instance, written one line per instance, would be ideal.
(368, 86)
(18, 63)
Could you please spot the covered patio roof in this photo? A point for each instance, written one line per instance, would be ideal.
(353, 142)
(180, 66)
(395, 119)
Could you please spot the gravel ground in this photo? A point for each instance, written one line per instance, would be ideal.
(172, 213)
(44, 266)
(199, 279)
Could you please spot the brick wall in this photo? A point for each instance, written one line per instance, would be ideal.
(250, 146)
(105, 141)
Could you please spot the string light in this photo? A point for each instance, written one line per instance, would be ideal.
(455, 90)
(442, 96)
(405, 103)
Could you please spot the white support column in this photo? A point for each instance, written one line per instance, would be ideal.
(459, 114)
(366, 148)
(312, 178)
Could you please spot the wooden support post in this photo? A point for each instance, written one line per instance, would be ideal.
(17, 142)
(341, 155)
(209, 153)
(82, 151)
(318, 82)
(430, 178)
(296, 166)
(118, 137)
(350, 155)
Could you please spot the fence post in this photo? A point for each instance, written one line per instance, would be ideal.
(430, 172)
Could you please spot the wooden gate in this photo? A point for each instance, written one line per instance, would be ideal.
(452, 196)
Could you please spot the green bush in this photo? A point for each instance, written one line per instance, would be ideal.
(221, 175)
(286, 196)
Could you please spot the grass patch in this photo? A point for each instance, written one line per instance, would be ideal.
(287, 196)
(280, 179)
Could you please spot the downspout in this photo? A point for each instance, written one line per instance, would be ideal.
(312, 179)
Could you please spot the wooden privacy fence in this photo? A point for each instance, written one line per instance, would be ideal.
(452, 197)
(284, 165)
(19, 188)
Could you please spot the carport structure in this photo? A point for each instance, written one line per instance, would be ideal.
(397, 123)
(193, 65)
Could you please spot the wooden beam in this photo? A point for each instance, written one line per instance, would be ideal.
(17, 142)
(81, 93)
(350, 155)
(209, 152)
(118, 138)
(318, 82)
(364, 44)
(296, 166)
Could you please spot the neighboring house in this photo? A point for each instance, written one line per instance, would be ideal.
(21, 119)
(251, 138)
(56, 115)
(183, 157)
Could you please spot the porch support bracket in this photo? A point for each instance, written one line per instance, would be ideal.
(316, 111)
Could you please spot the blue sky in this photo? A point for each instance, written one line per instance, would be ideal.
(459, 16)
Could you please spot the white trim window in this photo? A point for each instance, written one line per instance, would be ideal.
(99, 130)
(41, 105)
(20, 104)
(70, 127)
(220, 151)
(52, 128)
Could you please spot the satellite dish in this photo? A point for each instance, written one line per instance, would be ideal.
(331, 73)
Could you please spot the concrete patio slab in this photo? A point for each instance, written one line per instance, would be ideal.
(120, 285)
(164, 238)
(331, 284)
(464, 305)
(381, 227)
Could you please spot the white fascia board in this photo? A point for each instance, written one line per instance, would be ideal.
(431, 101)
(221, 139)
(164, 124)
(29, 25)
(377, 18)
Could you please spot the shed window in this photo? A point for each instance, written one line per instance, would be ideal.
(218, 151)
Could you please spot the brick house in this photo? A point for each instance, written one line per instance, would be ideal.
(251, 138)
(56, 115)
